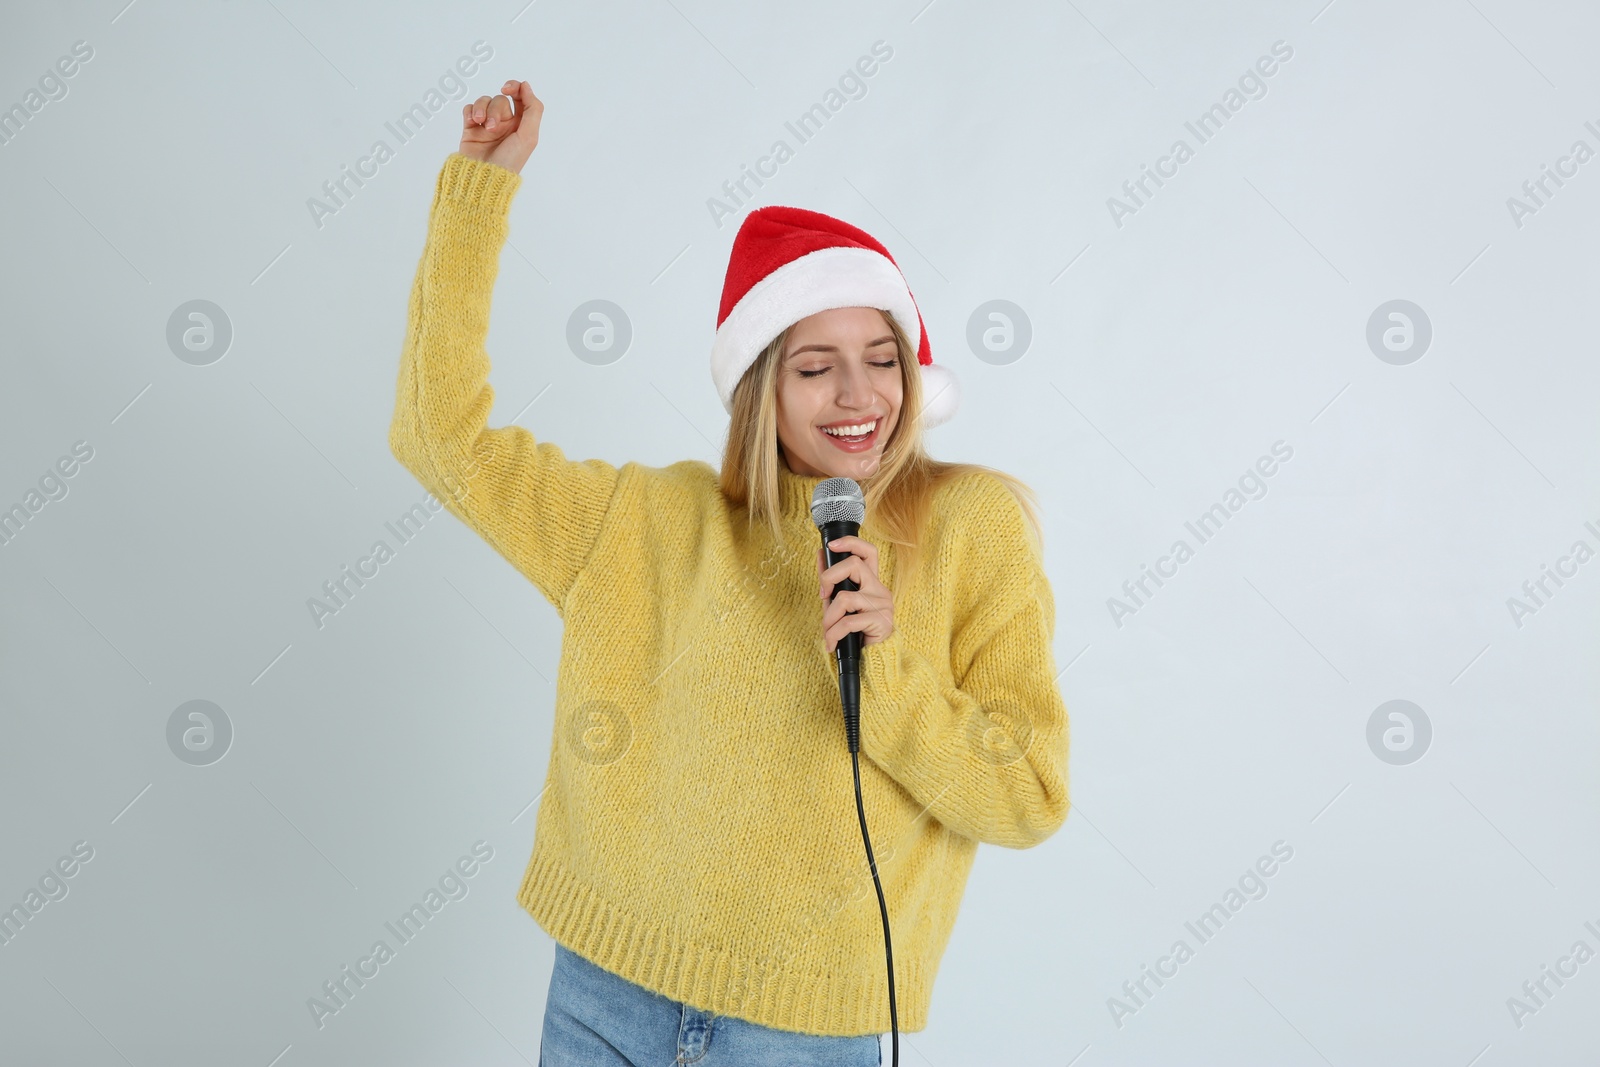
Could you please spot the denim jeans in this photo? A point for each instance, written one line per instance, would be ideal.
(594, 1018)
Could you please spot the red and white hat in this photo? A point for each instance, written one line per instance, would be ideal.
(788, 263)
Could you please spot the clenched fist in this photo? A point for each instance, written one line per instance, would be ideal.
(502, 129)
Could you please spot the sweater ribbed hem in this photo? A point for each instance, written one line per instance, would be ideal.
(472, 181)
(797, 997)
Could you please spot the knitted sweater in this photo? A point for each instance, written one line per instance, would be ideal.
(698, 833)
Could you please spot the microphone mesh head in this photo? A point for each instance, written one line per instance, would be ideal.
(838, 498)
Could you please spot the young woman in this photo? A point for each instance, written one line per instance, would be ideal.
(698, 857)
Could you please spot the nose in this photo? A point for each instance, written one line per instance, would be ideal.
(855, 387)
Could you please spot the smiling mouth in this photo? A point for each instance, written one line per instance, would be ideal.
(858, 442)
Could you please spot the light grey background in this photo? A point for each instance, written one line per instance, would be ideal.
(1167, 354)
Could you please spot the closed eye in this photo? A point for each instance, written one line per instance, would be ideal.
(824, 370)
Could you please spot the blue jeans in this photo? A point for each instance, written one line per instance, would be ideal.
(594, 1018)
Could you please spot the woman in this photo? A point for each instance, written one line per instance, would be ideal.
(697, 857)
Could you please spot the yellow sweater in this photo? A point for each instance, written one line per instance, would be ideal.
(698, 833)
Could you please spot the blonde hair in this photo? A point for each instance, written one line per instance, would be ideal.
(899, 496)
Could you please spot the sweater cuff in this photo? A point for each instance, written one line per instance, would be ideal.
(880, 688)
(880, 664)
(477, 183)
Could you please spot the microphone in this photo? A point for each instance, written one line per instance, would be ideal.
(838, 508)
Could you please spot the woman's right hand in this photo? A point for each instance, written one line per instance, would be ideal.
(492, 131)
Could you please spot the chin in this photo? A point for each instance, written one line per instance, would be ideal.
(856, 467)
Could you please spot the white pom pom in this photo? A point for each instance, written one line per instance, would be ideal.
(941, 394)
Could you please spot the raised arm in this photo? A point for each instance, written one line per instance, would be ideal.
(538, 509)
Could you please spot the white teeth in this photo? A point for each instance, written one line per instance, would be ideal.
(853, 431)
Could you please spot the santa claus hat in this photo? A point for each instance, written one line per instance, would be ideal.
(788, 263)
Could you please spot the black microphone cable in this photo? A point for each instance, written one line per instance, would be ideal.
(883, 909)
(838, 508)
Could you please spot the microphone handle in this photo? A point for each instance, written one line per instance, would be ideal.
(847, 653)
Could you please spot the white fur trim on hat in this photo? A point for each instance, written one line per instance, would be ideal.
(817, 281)
(941, 394)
